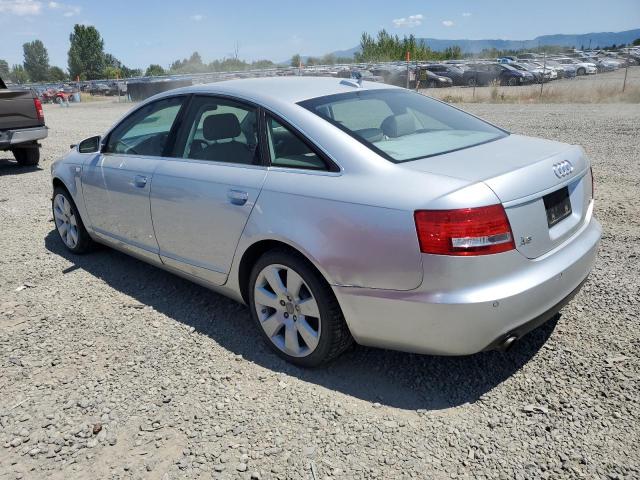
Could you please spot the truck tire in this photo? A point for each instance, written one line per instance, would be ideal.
(27, 156)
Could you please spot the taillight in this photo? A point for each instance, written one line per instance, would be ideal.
(39, 111)
(466, 231)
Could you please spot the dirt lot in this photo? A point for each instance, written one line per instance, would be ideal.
(110, 368)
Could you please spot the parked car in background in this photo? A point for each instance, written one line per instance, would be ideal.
(429, 79)
(582, 68)
(452, 71)
(486, 73)
(21, 124)
(340, 211)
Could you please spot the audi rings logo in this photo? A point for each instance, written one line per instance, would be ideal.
(563, 168)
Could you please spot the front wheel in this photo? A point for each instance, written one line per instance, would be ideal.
(296, 311)
(68, 222)
(471, 82)
(512, 82)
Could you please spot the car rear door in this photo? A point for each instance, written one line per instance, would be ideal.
(202, 197)
(117, 182)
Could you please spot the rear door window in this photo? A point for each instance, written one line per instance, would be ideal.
(288, 150)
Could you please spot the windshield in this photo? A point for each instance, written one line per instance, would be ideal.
(402, 125)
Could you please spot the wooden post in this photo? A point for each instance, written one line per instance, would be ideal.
(408, 60)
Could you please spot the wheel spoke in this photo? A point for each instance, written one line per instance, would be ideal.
(66, 207)
(72, 220)
(58, 214)
(309, 308)
(294, 283)
(308, 334)
(73, 236)
(272, 324)
(266, 298)
(291, 339)
(63, 229)
(274, 280)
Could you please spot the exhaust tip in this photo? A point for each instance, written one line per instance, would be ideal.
(507, 343)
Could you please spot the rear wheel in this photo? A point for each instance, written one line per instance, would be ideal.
(296, 311)
(27, 156)
(68, 222)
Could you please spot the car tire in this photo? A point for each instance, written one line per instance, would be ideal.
(471, 82)
(305, 340)
(431, 84)
(581, 71)
(512, 82)
(69, 225)
(27, 156)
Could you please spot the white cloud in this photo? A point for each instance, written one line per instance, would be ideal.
(66, 9)
(20, 7)
(409, 22)
(197, 17)
(447, 23)
(466, 14)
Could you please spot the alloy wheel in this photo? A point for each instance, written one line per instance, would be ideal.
(66, 221)
(287, 310)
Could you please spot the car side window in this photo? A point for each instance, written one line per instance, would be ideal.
(286, 149)
(221, 130)
(146, 131)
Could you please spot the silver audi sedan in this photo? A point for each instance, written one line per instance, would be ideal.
(340, 211)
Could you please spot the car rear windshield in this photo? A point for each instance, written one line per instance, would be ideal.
(401, 125)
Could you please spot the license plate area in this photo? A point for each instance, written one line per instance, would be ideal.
(558, 206)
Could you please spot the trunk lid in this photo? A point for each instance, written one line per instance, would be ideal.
(17, 109)
(523, 172)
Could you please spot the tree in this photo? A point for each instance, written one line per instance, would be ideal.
(636, 42)
(4, 69)
(36, 61)
(130, 72)
(296, 60)
(56, 74)
(18, 74)
(154, 70)
(86, 54)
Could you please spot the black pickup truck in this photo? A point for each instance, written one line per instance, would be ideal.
(21, 124)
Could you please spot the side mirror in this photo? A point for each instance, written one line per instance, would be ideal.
(90, 145)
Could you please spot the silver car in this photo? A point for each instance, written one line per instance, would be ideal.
(340, 210)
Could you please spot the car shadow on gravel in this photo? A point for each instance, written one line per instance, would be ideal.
(396, 379)
(8, 166)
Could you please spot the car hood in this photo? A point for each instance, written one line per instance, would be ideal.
(514, 167)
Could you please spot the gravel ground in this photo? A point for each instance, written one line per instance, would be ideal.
(110, 368)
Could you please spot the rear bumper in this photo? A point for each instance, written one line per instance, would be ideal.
(466, 305)
(10, 138)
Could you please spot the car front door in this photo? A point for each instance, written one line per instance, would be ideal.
(117, 182)
(202, 197)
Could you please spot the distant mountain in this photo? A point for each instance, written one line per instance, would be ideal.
(599, 39)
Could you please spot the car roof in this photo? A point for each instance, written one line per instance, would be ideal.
(284, 89)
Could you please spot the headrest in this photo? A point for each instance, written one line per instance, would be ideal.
(221, 125)
(398, 125)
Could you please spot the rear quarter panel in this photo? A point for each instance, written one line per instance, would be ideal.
(350, 243)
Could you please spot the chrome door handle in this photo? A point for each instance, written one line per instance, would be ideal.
(140, 181)
(237, 197)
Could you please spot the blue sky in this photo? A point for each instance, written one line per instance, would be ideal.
(139, 32)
